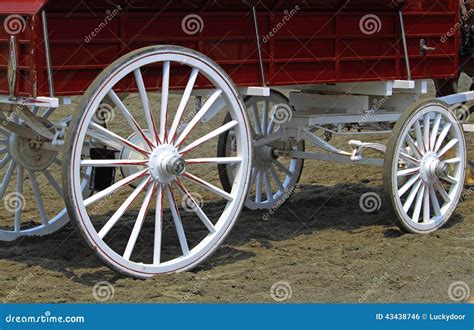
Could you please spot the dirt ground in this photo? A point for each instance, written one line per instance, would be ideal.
(319, 247)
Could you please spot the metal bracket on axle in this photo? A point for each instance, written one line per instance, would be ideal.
(358, 146)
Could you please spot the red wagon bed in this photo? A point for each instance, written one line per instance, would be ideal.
(302, 42)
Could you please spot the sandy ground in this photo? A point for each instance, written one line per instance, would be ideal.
(319, 247)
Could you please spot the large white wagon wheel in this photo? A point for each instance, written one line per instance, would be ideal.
(425, 166)
(163, 160)
(29, 179)
(274, 178)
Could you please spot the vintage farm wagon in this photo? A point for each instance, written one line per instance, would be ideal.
(178, 110)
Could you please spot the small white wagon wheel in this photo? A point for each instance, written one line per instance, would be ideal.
(170, 154)
(274, 177)
(30, 183)
(425, 166)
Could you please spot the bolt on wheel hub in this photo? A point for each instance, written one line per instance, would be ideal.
(166, 164)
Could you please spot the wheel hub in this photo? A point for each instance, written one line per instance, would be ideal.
(264, 156)
(30, 154)
(433, 168)
(166, 164)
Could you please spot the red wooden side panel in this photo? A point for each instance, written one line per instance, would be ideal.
(306, 42)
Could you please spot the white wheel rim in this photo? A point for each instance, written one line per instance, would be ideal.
(429, 164)
(272, 181)
(153, 182)
(15, 178)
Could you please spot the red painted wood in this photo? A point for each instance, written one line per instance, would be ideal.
(321, 43)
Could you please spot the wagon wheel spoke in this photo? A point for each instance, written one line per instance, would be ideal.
(426, 205)
(447, 147)
(408, 172)
(19, 192)
(5, 161)
(434, 202)
(209, 136)
(257, 126)
(414, 147)
(266, 107)
(277, 180)
(196, 208)
(113, 162)
(268, 187)
(442, 136)
(7, 178)
(418, 203)
(53, 182)
(117, 139)
(146, 106)
(208, 186)
(216, 160)
(204, 109)
(419, 136)
(182, 105)
(411, 196)
(130, 120)
(139, 222)
(282, 168)
(123, 208)
(158, 226)
(177, 221)
(434, 131)
(164, 102)
(414, 179)
(39, 200)
(110, 190)
(258, 192)
(426, 131)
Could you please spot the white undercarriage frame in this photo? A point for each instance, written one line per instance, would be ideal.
(321, 108)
